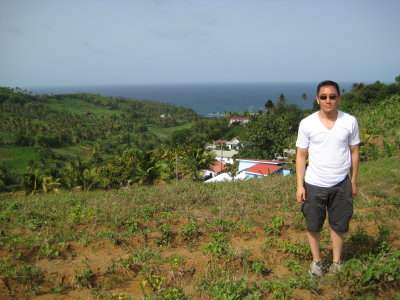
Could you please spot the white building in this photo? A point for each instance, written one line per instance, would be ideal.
(241, 120)
(221, 154)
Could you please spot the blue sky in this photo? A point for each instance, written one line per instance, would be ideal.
(95, 42)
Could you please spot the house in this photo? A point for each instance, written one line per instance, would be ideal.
(229, 145)
(258, 168)
(253, 168)
(225, 156)
(215, 169)
(224, 150)
(219, 142)
(287, 153)
(225, 177)
(240, 120)
(233, 144)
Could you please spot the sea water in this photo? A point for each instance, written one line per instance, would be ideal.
(211, 99)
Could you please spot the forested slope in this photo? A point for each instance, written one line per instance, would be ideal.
(92, 142)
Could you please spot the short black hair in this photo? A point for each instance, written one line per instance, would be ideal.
(328, 82)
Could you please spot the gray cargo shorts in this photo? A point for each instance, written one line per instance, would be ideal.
(337, 200)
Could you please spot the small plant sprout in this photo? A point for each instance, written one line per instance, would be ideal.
(275, 227)
(191, 232)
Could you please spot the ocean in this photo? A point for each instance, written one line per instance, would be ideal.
(206, 99)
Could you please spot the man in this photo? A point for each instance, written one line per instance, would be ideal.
(331, 139)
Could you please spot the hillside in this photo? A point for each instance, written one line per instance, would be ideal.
(109, 211)
(76, 117)
(235, 240)
(68, 124)
(91, 142)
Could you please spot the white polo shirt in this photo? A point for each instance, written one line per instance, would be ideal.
(329, 149)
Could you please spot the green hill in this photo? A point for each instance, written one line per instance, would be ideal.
(168, 236)
(93, 142)
(234, 240)
(67, 123)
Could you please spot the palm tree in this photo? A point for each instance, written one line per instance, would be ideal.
(282, 99)
(50, 184)
(77, 175)
(197, 159)
(36, 180)
(304, 97)
(269, 105)
(31, 181)
(147, 169)
(233, 169)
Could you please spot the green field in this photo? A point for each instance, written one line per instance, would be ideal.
(77, 106)
(74, 151)
(16, 158)
(166, 132)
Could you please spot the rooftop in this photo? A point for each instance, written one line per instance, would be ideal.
(263, 161)
(217, 167)
(263, 169)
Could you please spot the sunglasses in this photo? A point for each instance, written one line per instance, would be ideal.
(324, 97)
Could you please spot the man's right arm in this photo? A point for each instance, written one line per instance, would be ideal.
(301, 156)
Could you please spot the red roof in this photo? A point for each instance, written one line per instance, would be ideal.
(220, 142)
(263, 169)
(239, 118)
(217, 167)
(274, 162)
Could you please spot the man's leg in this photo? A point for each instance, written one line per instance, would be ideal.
(340, 211)
(314, 239)
(314, 210)
(337, 245)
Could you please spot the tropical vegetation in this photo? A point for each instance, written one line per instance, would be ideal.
(190, 240)
(131, 220)
(87, 141)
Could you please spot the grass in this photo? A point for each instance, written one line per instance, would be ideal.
(166, 132)
(76, 106)
(16, 158)
(191, 240)
(71, 152)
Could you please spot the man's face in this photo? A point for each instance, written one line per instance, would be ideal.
(328, 98)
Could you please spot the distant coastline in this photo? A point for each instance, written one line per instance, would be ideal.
(207, 99)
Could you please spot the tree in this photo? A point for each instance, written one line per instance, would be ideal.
(233, 169)
(50, 184)
(195, 160)
(181, 136)
(269, 105)
(36, 180)
(148, 169)
(304, 97)
(282, 99)
(397, 79)
(79, 175)
(267, 135)
(6, 179)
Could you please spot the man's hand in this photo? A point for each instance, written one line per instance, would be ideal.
(301, 195)
(354, 189)
(301, 155)
(355, 160)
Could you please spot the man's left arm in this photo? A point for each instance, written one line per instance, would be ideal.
(355, 162)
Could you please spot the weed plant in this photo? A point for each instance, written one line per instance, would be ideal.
(191, 232)
(196, 241)
(275, 227)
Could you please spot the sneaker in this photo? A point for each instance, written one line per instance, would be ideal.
(336, 267)
(316, 269)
